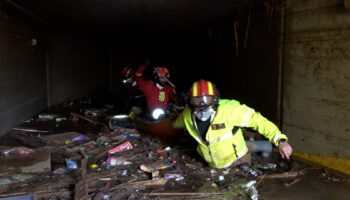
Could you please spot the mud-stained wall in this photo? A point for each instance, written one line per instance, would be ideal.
(317, 77)
(22, 69)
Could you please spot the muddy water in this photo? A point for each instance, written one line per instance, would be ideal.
(314, 185)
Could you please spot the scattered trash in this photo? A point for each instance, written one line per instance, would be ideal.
(63, 138)
(266, 166)
(125, 172)
(71, 164)
(26, 160)
(106, 197)
(121, 147)
(94, 112)
(118, 121)
(7, 180)
(102, 141)
(47, 116)
(227, 171)
(99, 161)
(248, 171)
(79, 137)
(160, 150)
(251, 189)
(177, 177)
(17, 151)
(59, 171)
(94, 166)
(59, 119)
(114, 161)
(192, 166)
(157, 166)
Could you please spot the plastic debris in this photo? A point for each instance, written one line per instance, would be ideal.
(121, 147)
(248, 171)
(94, 166)
(102, 141)
(14, 178)
(106, 197)
(79, 137)
(160, 150)
(59, 119)
(177, 177)
(46, 116)
(157, 166)
(17, 151)
(251, 189)
(266, 166)
(59, 171)
(71, 164)
(125, 172)
(114, 161)
(94, 112)
(118, 121)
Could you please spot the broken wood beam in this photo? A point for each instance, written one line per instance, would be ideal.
(141, 184)
(282, 175)
(87, 119)
(184, 194)
(81, 188)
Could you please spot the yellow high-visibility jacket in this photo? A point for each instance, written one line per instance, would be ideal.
(224, 142)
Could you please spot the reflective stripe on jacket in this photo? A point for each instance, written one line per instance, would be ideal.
(221, 147)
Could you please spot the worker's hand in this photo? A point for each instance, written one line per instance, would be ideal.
(285, 149)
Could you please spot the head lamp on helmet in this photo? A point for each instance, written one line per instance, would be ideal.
(127, 73)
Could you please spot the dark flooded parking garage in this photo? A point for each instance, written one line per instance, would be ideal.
(68, 124)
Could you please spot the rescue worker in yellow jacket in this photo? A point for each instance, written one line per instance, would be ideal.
(216, 125)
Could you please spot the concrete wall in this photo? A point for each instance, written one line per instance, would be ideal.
(61, 67)
(317, 77)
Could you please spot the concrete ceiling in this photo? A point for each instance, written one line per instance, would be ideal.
(125, 15)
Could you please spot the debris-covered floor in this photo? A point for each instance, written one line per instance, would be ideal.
(77, 151)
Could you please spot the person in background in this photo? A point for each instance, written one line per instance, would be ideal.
(128, 81)
(216, 124)
(128, 89)
(158, 91)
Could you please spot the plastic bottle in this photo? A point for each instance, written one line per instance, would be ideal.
(157, 166)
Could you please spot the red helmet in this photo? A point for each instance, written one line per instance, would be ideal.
(203, 94)
(162, 71)
(127, 71)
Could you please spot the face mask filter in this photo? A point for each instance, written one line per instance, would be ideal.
(204, 115)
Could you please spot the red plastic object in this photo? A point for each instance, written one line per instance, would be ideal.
(121, 147)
